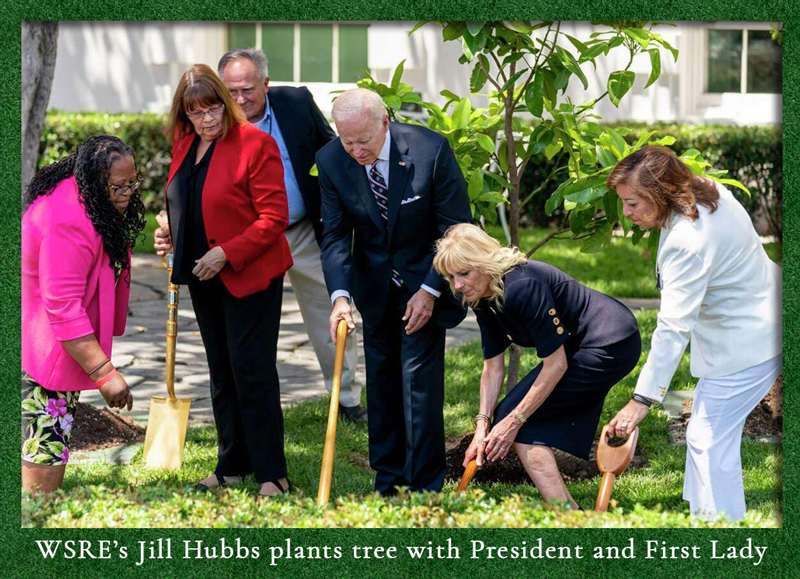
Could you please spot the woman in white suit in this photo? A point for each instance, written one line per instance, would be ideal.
(719, 290)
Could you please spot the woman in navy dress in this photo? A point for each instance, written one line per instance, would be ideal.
(587, 342)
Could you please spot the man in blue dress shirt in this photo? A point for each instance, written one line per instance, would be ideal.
(292, 118)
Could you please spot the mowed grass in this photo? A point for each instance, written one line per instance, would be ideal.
(101, 495)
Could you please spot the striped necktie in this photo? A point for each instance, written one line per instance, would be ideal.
(378, 187)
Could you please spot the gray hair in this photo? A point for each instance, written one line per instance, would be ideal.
(358, 102)
(254, 55)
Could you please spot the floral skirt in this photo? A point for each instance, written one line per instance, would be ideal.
(47, 418)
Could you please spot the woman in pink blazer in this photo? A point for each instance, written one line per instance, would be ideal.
(81, 216)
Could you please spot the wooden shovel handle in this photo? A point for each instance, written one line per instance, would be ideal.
(604, 495)
(172, 326)
(326, 474)
(469, 472)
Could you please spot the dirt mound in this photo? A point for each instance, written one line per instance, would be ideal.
(766, 419)
(97, 428)
(510, 470)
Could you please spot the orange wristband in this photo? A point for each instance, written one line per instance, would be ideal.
(106, 378)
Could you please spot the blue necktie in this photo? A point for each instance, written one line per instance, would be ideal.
(378, 187)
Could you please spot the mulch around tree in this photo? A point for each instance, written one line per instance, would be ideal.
(765, 420)
(97, 428)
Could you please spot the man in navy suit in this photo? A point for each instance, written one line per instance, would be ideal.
(293, 119)
(389, 191)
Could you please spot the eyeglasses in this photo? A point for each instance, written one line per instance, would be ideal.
(200, 115)
(118, 190)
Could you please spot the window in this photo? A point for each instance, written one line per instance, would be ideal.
(743, 61)
(307, 52)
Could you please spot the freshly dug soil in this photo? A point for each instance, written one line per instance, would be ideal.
(101, 428)
(510, 470)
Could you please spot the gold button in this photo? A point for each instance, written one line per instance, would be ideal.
(555, 321)
(552, 311)
(560, 330)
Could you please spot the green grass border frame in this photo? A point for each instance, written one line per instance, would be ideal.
(19, 551)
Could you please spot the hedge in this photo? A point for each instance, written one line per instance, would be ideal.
(753, 155)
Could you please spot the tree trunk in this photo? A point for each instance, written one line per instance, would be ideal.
(514, 352)
(39, 43)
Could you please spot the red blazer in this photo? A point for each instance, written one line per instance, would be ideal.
(244, 207)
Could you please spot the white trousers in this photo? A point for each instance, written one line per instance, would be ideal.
(713, 483)
(308, 283)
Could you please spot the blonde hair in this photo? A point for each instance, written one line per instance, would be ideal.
(201, 87)
(466, 247)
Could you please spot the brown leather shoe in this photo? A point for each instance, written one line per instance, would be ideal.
(356, 414)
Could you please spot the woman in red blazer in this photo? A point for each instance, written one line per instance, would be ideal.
(227, 213)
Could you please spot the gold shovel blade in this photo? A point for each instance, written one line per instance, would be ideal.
(166, 432)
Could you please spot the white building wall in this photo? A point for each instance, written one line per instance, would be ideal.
(134, 67)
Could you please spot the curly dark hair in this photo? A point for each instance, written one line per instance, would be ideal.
(91, 164)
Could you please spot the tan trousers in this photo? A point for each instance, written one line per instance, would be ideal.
(308, 283)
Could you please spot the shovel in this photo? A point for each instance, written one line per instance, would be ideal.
(469, 472)
(612, 461)
(326, 475)
(169, 417)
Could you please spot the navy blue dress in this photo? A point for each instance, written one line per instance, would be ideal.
(544, 308)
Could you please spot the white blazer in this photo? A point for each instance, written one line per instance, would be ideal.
(720, 290)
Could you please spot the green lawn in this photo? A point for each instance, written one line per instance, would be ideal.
(131, 496)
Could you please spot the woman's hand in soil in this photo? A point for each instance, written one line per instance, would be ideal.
(475, 450)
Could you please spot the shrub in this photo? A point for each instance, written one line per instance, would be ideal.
(752, 155)
(144, 132)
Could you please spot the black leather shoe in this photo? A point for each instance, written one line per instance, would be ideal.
(356, 414)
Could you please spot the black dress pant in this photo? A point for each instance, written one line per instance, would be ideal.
(405, 400)
(240, 336)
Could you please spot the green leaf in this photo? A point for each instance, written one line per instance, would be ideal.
(45, 421)
(502, 156)
(619, 144)
(597, 241)
(593, 52)
(550, 92)
(475, 186)
(655, 66)
(577, 44)
(417, 26)
(513, 57)
(393, 101)
(475, 27)
(605, 156)
(569, 62)
(666, 45)
(542, 141)
(665, 141)
(611, 206)
(643, 139)
(453, 31)
(551, 150)
(619, 83)
(462, 113)
(477, 79)
(556, 199)
(652, 243)
(522, 26)
(638, 233)
(624, 221)
(57, 448)
(534, 96)
(638, 35)
(583, 192)
(32, 405)
(412, 97)
(486, 143)
(731, 182)
(398, 74)
(510, 82)
(501, 181)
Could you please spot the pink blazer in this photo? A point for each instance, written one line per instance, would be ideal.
(68, 289)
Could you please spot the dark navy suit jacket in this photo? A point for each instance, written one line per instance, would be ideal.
(305, 131)
(427, 195)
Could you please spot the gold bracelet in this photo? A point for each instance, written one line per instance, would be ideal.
(518, 416)
(479, 417)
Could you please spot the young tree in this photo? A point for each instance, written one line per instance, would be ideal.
(527, 68)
